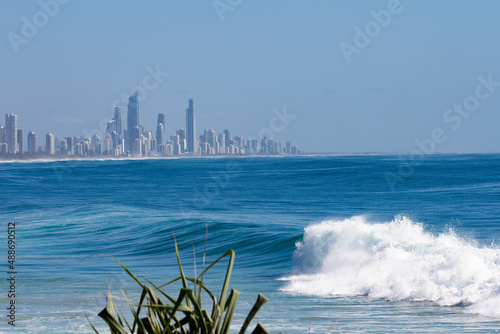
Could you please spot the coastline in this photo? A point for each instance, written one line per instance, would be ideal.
(20, 159)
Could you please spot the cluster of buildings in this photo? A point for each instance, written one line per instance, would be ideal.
(135, 141)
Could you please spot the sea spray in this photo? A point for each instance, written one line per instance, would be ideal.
(397, 261)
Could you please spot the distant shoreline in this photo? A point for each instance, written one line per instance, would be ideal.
(69, 158)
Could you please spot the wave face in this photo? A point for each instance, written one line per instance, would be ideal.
(398, 261)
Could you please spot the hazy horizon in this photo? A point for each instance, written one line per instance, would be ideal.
(383, 76)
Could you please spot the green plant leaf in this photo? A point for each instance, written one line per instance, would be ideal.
(261, 300)
(259, 329)
(231, 306)
(114, 326)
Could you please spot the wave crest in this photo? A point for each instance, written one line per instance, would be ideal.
(397, 260)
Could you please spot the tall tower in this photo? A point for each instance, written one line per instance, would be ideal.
(160, 133)
(117, 117)
(50, 144)
(190, 127)
(32, 144)
(20, 144)
(11, 127)
(132, 119)
(160, 137)
(136, 139)
(227, 137)
(3, 135)
(161, 119)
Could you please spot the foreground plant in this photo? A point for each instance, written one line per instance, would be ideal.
(183, 314)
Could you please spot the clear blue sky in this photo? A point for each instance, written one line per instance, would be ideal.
(262, 55)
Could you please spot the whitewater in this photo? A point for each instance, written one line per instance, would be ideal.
(397, 261)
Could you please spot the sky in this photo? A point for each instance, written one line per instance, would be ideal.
(329, 76)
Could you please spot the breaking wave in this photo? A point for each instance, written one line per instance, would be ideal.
(397, 261)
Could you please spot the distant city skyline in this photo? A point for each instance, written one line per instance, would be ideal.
(137, 141)
(364, 76)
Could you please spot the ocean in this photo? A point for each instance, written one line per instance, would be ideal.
(339, 244)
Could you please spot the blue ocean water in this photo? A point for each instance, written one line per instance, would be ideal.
(340, 244)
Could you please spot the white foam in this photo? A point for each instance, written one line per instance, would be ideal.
(398, 260)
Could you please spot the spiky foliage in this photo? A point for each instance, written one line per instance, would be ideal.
(184, 314)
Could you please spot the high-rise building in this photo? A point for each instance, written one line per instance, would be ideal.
(222, 143)
(182, 139)
(148, 135)
(3, 148)
(153, 145)
(3, 135)
(63, 145)
(20, 145)
(190, 127)
(107, 145)
(255, 146)
(161, 119)
(115, 138)
(181, 133)
(11, 133)
(160, 137)
(50, 144)
(96, 141)
(238, 141)
(132, 119)
(136, 137)
(70, 145)
(209, 136)
(160, 132)
(117, 117)
(227, 138)
(32, 144)
(111, 126)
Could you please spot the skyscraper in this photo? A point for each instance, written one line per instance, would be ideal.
(117, 117)
(160, 137)
(161, 119)
(132, 119)
(190, 127)
(181, 133)
(111, 126)
(136, 139)
(209, 135)
(20, 141)
(32, 145)
(227, 135)
(182, 139)
(70, 145)
(3, 135)
(11, 133)
(160, 133)
(222, 143)
(50, 144)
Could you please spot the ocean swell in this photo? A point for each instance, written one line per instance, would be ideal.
(398, 261)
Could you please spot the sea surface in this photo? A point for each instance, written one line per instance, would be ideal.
(339, 244)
